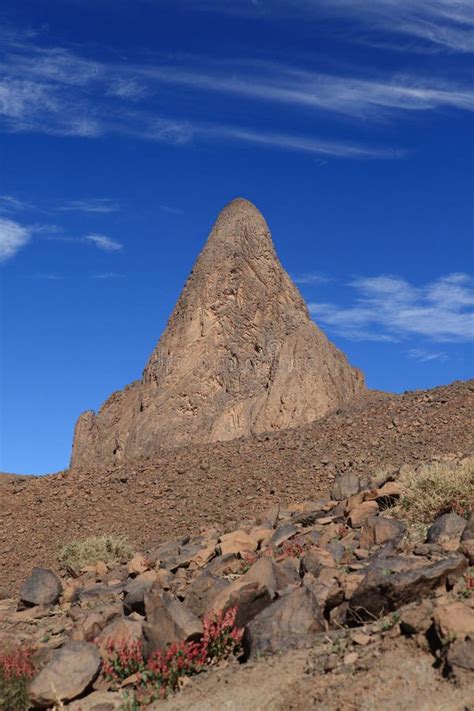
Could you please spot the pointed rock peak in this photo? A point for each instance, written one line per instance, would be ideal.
(239, 226)
(240, 355)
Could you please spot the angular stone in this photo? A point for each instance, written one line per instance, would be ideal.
(283, 533)
(240, 355)
(92, 622)
(122, 629)
(346, 485)
(249, 598)
(269, 573)
(416, 618)
(315, 559)
(134, 600)
(378, 529)
(291, 621)
(237, 542)
(361, 513)
(139, 564)
(43, 587)
(461, 654)
(203, 592)
(447, 530)
(227, 564)
(455, 620)
(381, 592)
(168, 621)
(72, 669)
(468, 534)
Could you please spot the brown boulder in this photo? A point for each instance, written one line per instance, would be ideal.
(291, 621)
(167, 621)
(379, 529)
(43, 587)
(454, 621)
(249, 597)
(383, 589)
(72, 669)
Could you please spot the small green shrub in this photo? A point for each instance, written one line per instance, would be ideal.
(110, 549)
(437, 489)
(16, 670)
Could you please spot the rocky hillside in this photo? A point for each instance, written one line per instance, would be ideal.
(240, 355)
(375, 579)
(178, 493)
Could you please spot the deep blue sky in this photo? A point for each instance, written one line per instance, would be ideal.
(126, 126)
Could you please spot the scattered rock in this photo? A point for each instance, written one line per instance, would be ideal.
(382, 591)
(249, 597)
(447, 531)
(378, 529)
(454, 621)
(43, 587)
(168, 621)
(291, 621)
(361, 513)
(72, 669)
(346, 485)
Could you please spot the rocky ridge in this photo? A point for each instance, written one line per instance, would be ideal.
(176, 493)
(240, 355)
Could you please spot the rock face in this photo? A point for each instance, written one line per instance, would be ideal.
(240, 355)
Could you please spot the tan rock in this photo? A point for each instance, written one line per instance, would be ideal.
(238, 542)
(138, 564)
(455, 620)
(71, 670)
(249, 597)
(361, 513)
(168, 621)
(240, 355)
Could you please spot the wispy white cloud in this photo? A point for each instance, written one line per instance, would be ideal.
(48, 277)
(92, 205)
(9, 203)
(13, 236)
(103, 242)
(371, 97)
(337, 149)
(171, 210)
(311, 278)
(442, 25)
(57, 92)
(390, 308)
(108, 275)
(425, 356)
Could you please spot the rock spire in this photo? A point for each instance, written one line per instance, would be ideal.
(240, 355)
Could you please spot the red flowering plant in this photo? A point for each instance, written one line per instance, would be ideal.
(124, 659)
(16, 670)
(164, 671)
(291, 549)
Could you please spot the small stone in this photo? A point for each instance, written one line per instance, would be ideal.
(351, 658)
(361, 639)
(361, 513)
(345, 485)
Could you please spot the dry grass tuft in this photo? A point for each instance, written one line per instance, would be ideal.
(437, 489)
(110, 549)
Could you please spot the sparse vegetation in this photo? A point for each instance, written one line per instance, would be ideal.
(110, 549)
(164, 671)
(437, 489)
(16, 670)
